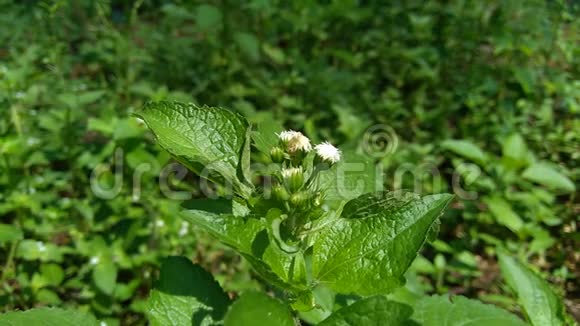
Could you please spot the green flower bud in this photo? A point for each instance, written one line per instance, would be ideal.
(277, 155)
(300, 199)
(279, 192)
(293, 178)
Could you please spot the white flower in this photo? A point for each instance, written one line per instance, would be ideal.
(290, 172)
(286, 135)
(41, 246)
(184, 229)
(328, 152)
(295, 141)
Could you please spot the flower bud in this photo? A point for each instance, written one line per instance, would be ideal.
(277, 155)
(293, 178)
(280, 193)
(299, 199)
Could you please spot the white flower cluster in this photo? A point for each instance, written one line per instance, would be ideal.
(296, 141)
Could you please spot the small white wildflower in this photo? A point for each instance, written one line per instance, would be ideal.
(41, 246)
(328, 152)
(94, 260)
(299, 143)
(295, 141)
(184, 229)
(286, 135)
(32, 141)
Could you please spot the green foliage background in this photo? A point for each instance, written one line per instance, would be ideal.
(495, 84)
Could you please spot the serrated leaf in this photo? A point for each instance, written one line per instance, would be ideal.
(202, 138)
(368, 249)
(47, 317)
(10, 233)
(466, 149)
(255, 308)
(460, 311)
(545, 175)
(375, 310)
(541, 304)
(185, 294)
(249, 236)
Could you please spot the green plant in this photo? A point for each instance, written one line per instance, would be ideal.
(301, 227)
(300, 231)
(71, 73)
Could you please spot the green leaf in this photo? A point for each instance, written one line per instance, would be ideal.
(249, 44)
(47, 316)
(234, 231)
(249, 236)
(515, 151)
(52, 274)
(460, 311)
(38, 250)
(48, 296)
(202, 138)
(503, 213)
(208, 16)
(545, 175)
(324, 300)
(255, 308)
(10, 233)
(127, 128)
(466, 149)
(534, 294)
(348, 179)
(266, 134)
(368, 249)
(105, 275)
(375, 310)
(185, 294)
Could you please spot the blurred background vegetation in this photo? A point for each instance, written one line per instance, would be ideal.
(489, 90)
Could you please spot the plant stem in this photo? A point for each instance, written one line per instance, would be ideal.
(9, 262)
